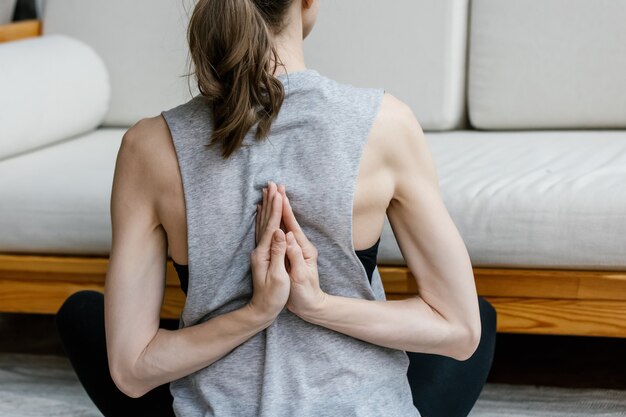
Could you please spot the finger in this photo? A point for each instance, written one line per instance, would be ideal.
(273, 222)
(257, 224)
(291, 223)
(289, 218)
(264, 216)
(261, 241)
(294, 253)
(270, 193)
(278, 248)
(276, 210)
(281, 190)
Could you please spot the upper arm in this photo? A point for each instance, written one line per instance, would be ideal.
(427, 236)
(135, 278)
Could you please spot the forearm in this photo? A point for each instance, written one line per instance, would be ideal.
(173, 354)
(409, 324)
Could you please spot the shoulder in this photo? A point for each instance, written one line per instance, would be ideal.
(403, 145)
(144, 158)
(143, 142)
(399, 121)
(144, 129)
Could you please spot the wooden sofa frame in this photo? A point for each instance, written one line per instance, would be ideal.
(541, 301)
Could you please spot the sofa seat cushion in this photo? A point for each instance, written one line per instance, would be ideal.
(534, 199)
(55, 200)
(519, 199)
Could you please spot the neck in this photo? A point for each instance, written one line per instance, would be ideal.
(289, 47)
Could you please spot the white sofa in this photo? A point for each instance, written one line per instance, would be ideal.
(523, 104)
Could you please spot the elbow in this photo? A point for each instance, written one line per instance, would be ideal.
(126, 382)
(466, 342)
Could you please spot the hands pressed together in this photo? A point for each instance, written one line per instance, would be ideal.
(284, 262)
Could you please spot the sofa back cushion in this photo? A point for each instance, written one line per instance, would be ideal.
(142, 43)
(415, 49)
(547, 64)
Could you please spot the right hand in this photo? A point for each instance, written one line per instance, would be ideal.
(305, 297)
(269, 276)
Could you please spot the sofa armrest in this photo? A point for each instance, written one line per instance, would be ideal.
(54, 87)
(20, 30)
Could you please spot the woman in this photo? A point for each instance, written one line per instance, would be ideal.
(255, 187)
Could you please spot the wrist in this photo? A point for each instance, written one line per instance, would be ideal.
(317, 309)
(260, 319)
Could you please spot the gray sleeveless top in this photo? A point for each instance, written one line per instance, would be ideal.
(292, 368)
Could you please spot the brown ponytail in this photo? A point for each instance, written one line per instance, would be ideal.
(230, 43)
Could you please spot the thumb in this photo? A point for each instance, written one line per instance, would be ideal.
(277, 251)
(294, 253)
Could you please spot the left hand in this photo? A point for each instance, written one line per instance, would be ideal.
(270, 280)
(305, 297)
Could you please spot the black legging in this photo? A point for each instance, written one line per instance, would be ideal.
(441, 386)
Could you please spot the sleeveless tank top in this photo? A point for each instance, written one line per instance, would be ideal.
(292, 368)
